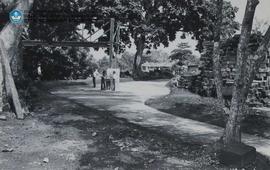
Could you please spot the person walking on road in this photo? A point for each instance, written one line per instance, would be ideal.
(114, 77)
(94, 77)
(108, 82)
(103, 83)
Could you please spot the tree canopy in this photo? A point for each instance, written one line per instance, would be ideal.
(149, 23)
(55, 62)
(184, 55)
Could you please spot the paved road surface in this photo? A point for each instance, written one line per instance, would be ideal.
(128, 103)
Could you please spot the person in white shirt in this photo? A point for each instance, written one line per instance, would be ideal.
(114, 77)
(103, 81)
(94, 77)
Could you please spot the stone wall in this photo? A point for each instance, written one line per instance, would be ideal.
(260, 87)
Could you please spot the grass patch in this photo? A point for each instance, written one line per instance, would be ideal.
(204, 109)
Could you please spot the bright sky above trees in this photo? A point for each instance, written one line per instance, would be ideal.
(262, 12)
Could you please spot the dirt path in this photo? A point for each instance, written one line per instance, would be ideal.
(72, 136)
(129, 104)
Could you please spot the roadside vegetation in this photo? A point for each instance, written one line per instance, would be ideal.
(181, 102)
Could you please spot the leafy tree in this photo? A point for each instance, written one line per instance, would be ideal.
(181, 53)
(228, 24)
(103, 64)
(184, 55)
(55, 62)
(126, 61)
(150, 23)
(161, 22)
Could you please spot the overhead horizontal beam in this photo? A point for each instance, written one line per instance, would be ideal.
(31, 43)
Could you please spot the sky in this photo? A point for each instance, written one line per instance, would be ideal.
(262, 15)
(262, 11)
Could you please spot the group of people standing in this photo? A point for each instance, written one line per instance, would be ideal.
(108, 81)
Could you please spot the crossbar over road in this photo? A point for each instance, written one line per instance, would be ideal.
(30, 43)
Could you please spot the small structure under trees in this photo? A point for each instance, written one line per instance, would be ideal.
(151, 66)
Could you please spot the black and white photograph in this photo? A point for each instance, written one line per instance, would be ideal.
(134, 85)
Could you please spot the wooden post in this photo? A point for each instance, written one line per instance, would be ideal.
(26, 4)
(10, 84)
(118, 38)
(31, 43)
(111, 52)
(2, 85)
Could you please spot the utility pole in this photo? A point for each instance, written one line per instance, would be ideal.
(111, 48)
(118, 38)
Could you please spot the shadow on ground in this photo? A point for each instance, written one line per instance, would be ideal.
(117, 144)
(185, 104)
(73, 136)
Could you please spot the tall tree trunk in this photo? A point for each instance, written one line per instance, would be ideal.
(232, 131)
(138, 56)
(216, 53)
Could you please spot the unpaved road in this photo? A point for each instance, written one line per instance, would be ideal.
(75, 136)
(129, 103)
